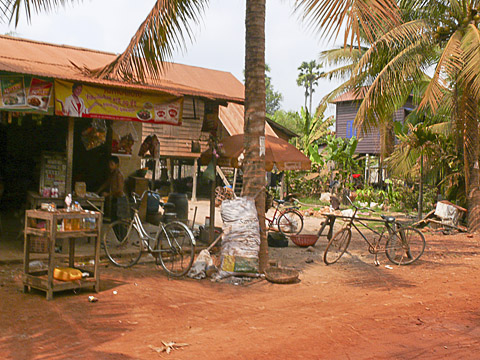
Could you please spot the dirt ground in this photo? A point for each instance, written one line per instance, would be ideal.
(349, 310)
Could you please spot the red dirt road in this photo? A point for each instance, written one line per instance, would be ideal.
(349, 310)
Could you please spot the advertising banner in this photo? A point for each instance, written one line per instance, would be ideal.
(89, 101)
(26, 93)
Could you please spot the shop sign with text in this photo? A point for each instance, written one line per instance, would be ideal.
(89, 101)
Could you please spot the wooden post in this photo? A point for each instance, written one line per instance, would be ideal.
(222, 175)
(282, 186)
(367, 171)
(211, 234)
(170, 172)
(234, 179)
(68, 180)
(195, 180)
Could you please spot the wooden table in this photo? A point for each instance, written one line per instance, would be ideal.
(34, 201)
(43, 279)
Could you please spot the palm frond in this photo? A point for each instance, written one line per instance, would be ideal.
(340, 73)
(450, 64)
(166, 29)
(340, 90)
(391, 87)
(470, 46)
(11, 9)
(328, 17)
(395, 39)
(341, 55)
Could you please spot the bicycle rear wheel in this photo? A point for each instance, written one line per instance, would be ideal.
(122, 243)
(176, 248)
(405, 246)
(290, 222)
(337, 246)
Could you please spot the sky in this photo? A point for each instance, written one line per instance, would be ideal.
(219, 42)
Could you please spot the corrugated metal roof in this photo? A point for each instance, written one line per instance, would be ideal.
(232, 118)
(50, 60)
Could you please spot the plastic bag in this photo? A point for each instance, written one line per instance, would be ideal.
(95, 135)
(241, 237)
(209, 173)
(199, 268)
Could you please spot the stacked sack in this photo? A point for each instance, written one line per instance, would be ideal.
(241, 237)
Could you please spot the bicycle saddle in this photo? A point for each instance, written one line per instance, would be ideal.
(388, 219)
(279, 201)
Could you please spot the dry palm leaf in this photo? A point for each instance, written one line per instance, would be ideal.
(167, 347)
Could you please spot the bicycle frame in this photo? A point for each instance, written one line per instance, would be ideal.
(374, 245)
(274, 217)
(137, 224)
(278, 212)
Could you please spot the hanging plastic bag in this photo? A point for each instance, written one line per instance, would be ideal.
(209, 173)
(95, 135)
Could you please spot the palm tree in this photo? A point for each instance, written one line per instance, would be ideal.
(445, 35)
(255, 112)
(308, 78)
(417, 148)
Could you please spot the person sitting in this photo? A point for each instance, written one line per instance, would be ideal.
(115, 186)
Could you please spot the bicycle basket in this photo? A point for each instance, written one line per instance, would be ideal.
(281, 275)
(304, 240)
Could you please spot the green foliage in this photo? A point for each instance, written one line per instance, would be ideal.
(342, 153)
(289, 119)
(397, 196)
(273, 98)
(443, 166)
(312, 130)
(308, 183)
(315, 129)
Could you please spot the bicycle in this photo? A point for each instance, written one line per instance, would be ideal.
(288, 221)
(173, 244)
(403, 246)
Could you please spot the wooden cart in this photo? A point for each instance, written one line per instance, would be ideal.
(51, 230)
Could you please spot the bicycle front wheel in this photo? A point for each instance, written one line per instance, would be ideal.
(405, 246)
(290, 222)
(122, 243)
(337, 246)
(176, 248)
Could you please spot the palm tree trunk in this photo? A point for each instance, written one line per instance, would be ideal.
(311, 96)
(306, 97)
(254, 163)
(471, 152)
(420, 189)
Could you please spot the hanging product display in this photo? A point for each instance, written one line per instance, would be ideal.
(95, 134)
(124, 137)
(150, 146)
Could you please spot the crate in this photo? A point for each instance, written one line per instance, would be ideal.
(38, 244)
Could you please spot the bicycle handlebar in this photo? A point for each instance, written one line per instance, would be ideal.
(356, 207)
(138, 198)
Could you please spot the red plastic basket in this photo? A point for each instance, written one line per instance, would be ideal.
(304, 240)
